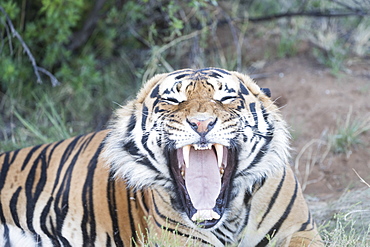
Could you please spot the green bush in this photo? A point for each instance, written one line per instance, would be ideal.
(100, 65)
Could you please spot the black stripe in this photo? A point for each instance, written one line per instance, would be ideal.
(88, 219)
(227, 97)
(222, 71)
(131, 125)
(261, 153)
(221, 236)
(88, 140)
(157, 109)
(131, 148)
(130, 214)
(144, 115)
(67, 153)
(181, 76)
(37, 175)
(215, 75)
(111, 194)
(61, 205)
(44, 215)
(166, 218)
(202, 70)
(144, 141)
(230, 90)
(155, 102)
(144, 204)
(15, 154)
(155, 92)
(108, 243)
(266, 91)
(279, 223)
(265, 114)
(13, 207)
(273, 199)
(252, 107)
(29, 155)
(304, 225)
(46, 210)
(5, 227)
(255, 143)
(243, 89)
(43, 224)
(180, 71)
(247, 198)
(55, 145)
(4, 170)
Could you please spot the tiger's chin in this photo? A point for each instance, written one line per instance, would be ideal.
(203, 175)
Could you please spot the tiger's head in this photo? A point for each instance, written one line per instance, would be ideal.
(206, 136)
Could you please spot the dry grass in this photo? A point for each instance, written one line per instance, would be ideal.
(345, 221)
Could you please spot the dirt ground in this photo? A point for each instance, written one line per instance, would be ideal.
(313, 101)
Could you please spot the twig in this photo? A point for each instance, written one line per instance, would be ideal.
(309, 164)
(344, 5)
(362, 180)
(54, 80)
(36, 68)
(327, 13)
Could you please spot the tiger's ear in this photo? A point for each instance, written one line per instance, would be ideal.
(266, 91)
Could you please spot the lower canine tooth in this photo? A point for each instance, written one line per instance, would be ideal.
(215, 215)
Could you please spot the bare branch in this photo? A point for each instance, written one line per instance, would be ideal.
(344, 5)
(36, 68)
(325, 13)
(362, 180)
(54, 80)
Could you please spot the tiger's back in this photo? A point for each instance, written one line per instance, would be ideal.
(53, 192)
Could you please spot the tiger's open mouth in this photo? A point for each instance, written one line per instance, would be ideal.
(203, 176)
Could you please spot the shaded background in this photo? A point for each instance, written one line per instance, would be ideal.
(65, 65)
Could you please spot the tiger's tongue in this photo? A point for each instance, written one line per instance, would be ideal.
(202, 178)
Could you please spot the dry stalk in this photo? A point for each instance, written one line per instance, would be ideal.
(312, 159)
(362, 180)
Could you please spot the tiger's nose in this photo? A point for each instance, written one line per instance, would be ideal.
(202, 126)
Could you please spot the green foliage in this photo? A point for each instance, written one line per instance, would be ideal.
(348, 134)
(287, 46)
(133, 40)
(334, 57)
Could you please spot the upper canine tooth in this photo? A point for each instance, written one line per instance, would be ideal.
(220, 152)
(186, 154)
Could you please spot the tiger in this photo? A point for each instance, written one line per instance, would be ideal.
(200, 156)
